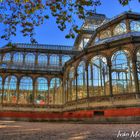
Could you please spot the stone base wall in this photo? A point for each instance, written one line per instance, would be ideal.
(122, 115)
(121, 108)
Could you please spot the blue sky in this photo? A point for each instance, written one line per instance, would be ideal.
(48, 33)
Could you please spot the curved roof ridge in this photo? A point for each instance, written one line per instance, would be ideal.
(37, 44)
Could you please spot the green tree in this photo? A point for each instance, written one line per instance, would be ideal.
(28, 14)
(125, 2)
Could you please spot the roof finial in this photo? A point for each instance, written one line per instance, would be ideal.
(130, 10)
(95, 4)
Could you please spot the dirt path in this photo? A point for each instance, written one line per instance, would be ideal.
(11, 130)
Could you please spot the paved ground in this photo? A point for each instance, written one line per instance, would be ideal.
(11, 130)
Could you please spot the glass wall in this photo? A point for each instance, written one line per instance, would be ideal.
(72, 85)
(41, 92)
(98, 77)
(26, 91)
(83, 43)
(81, 81)
(54, 60)
(42, 60)
(10, 93)
(120, 29)
(138, 65)
(65, 88)
(65, 58)
(55, 96)
(7, 57)
(135, 26)
(105, 34)
(18, 58)
(122, 76)
(30, 59)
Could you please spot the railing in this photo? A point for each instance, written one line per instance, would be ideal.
(43, 46)
(117, 97)
(55, 106)
(30, 66)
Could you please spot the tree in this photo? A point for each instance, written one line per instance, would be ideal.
(31, 13)
(125, 2)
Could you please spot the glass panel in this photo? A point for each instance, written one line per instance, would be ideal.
(26, 90)
(135, 26)
(10, 94)
(98, 76)
(138, 65)
(65, 58)
(122, 77)
(30, 59)
(7, 57)
(83, 43)
(120, 29)
(105, 34)
(81, 81)
(41, 94)
(54, 60)
(18, 58)
(96, 39)
(72, 85)
(42, 60)
(65, 90)
(55, 96)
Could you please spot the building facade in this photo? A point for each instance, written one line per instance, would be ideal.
(98, 76)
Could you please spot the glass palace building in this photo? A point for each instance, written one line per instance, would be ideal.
(97, 77)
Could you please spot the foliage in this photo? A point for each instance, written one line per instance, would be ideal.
(125, 2)
(28, 14)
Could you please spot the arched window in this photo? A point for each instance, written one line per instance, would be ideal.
(26, 90)
(0, 89)
(54, 60)
(138, 65)
(30, 59)
(42, 60)
(18, 58)
(55, 96)
(72, 85)
(10, 94)
(135, 26)
(120, 29)
(81, 81)
(105, 34)
(41, 94)
(7, 57)
(65, 58)
(122, 77)
(98, 76)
